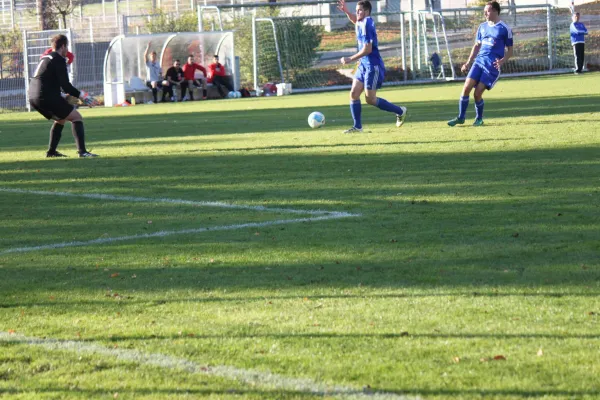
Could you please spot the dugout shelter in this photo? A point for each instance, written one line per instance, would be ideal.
(125, 68)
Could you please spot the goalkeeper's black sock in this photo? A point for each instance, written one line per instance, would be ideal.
(55, 135)
(204, 92)
(78, 134)
(154, 94)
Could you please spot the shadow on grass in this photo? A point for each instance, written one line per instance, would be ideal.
(169, 124)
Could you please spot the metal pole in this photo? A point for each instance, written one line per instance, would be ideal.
(103, 11)
(418, 42)
(254, 54)
(437, 41)
(411, 42)
(549, 28)
(26, 70)
(425, 45)
(93, 47)
(199, 12)
(12, 14)
(403, 45)
(448, 47)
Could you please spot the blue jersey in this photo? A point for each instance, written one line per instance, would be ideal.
(366, 33)
(493, 39)
(578, 32)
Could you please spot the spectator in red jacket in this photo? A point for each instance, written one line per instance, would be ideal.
(216, 76)
(70, 56)
(189, 70)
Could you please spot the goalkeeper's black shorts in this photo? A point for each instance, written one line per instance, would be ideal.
(56, 109)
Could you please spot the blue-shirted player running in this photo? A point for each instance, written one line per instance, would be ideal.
(489, 55)
(371, 71)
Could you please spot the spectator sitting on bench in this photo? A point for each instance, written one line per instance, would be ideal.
(216, 76)
(153, 74)
(175, 78)
(189, 70)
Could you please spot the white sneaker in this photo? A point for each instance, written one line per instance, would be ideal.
(150, 102)
(400, 118)
(353, 130)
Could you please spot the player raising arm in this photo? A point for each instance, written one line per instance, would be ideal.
(371, 70)
(45, 97)
(489, 56)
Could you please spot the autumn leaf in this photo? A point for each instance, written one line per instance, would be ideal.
(540, 353)
(456, 360)
(116, 274)
(11, 331)
(499, 358)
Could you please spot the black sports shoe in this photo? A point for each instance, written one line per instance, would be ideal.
(53, 154)
(87, 154)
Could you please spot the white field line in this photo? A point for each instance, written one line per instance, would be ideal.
(172, 201)
(170, 233)
(254, 378)
(323, 215)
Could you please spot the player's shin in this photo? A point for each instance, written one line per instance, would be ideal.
(479, 109)
(355, 110)
(78, 134)
(385, 105)
(462, 107)
(55, 135)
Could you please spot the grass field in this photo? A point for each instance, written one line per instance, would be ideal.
(222, 249)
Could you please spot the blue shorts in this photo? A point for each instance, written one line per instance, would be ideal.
(371, 75)
(488, 75)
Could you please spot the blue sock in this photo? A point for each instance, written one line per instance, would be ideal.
(479, 109)
(462, 107)
(385, 105)
(355, 109)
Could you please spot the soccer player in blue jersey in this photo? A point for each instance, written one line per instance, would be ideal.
(371, 71)
(493, 36)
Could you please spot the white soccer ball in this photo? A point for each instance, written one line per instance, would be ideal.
(316, 120)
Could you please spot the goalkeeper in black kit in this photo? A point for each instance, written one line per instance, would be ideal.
(45, 97)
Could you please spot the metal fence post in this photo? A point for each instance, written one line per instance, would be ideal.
(403, 46)
(93, 47)
(26, 70)
(549, 28)
(12, 14)
(254, 54)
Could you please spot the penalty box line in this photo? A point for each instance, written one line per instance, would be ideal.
(253, 378)
(320, 216)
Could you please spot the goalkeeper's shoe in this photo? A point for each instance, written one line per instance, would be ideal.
(400, 118)
(353, 130)
(54, 154)
(478, 122)
(87, 154)
(456, 121)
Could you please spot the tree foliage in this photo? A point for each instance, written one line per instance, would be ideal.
(162, 22)
(53, 11)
